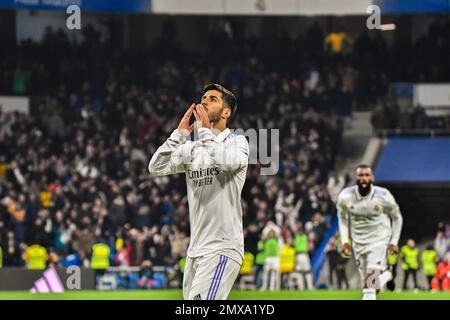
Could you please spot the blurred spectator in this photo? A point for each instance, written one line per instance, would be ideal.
(332, 253)
(302, 259)
(271, 271)
(13, 251)
(336, 42)
(429, 264)
(341, 273)
(441, 281)
(319, 227)
(409, 254)
(336, 263)
(441, 244)
(36, 257)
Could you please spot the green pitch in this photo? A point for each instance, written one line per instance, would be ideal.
(235, 295)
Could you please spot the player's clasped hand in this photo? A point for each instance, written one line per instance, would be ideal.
(201, 117)
(184, 125)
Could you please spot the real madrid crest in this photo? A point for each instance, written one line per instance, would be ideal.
(376, 208)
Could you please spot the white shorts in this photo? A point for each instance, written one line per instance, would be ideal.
(302, 262)
(209, 277)
(272, 264)
(375, 258)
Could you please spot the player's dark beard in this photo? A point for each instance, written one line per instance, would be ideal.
(215, 117)
(364, 190)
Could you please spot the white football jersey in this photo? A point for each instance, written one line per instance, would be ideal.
(215, 169)
(369, 221)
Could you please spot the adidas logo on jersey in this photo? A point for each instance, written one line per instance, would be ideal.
(198, 297)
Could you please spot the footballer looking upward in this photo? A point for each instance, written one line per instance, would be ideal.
(215, 166)
(370, 216)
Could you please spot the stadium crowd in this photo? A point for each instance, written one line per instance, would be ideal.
(390, 116)
(424, 61)
(73, 172)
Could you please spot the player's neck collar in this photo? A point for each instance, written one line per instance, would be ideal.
(223, 135)
(369, 195)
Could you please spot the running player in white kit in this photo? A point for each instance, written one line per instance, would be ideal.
(215, 166)
(370, 217)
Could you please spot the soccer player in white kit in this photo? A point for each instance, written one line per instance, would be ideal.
(370, 217)
(215, 166)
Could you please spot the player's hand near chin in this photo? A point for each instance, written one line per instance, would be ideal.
(347, 250)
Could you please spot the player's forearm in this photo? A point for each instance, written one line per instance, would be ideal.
(397, 223)
(228, 159)
(163, 163)
(343, 227)
(166, 160)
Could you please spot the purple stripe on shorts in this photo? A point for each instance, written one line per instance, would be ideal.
(222, 271)
(215, 275)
